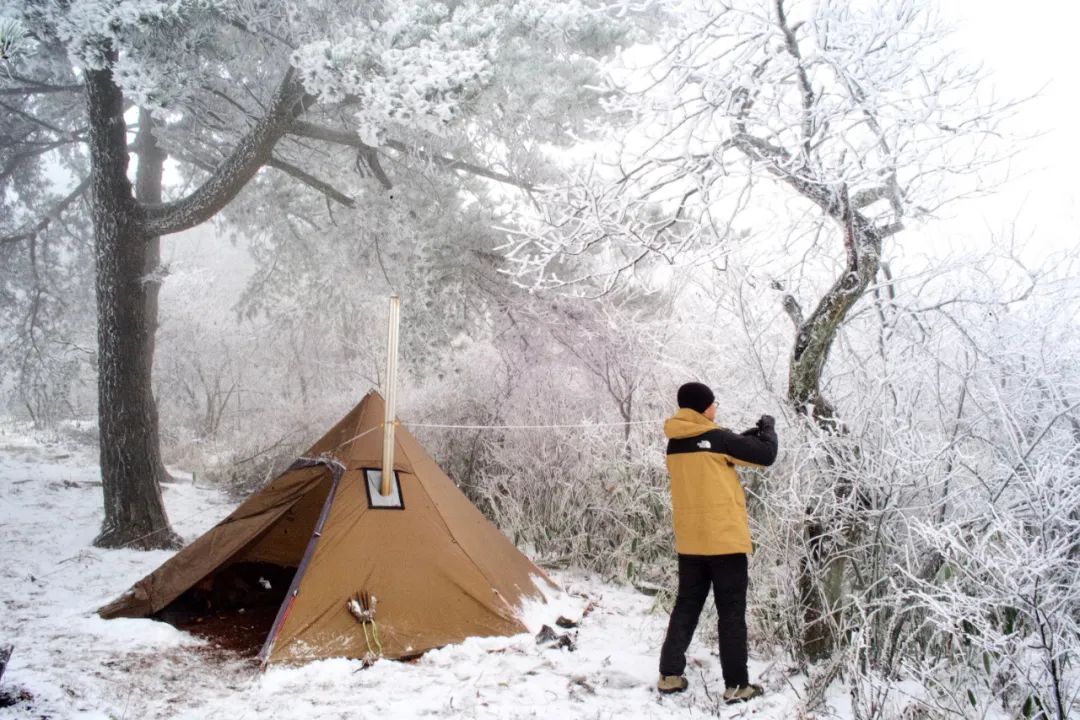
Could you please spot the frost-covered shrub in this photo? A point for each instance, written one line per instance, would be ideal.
(577, 496)
(940, 527)
(247, 468)
(574, 499)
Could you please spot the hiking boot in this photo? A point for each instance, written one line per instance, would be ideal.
(671, 684)
(742, 693)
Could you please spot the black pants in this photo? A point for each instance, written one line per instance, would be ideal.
(728, 577)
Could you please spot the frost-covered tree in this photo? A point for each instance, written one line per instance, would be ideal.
(228, 88)
(45, 244)
(845, 121)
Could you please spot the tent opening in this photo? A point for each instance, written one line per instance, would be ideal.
(233, 607)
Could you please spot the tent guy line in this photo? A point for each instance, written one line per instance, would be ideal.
(379, 427)
(535, 427)
(504, 427)
(357, 437)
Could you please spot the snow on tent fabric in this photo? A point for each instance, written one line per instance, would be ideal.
(310, 541)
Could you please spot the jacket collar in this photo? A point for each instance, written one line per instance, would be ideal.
(687, 423)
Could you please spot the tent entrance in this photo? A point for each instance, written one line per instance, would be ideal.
(235, 607)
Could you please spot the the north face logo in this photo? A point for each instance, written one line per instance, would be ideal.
(705, 445)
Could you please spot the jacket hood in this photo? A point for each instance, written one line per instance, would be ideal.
(687, 423)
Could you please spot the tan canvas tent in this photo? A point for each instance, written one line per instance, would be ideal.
(321, 534)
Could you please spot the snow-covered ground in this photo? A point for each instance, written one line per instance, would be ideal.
(68, 663)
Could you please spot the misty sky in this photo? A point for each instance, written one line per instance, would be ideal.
(1030, 47)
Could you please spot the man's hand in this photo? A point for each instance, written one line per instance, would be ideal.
(764, 423)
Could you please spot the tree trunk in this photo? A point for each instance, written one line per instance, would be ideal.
(148, 179)
(131, 466)
(148, 176)
(822, 569)
(815, 335)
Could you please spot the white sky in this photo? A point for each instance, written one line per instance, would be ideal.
(1028, 47)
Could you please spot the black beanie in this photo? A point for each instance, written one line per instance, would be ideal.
(696, 396)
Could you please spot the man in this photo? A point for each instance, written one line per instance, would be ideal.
(712, 534)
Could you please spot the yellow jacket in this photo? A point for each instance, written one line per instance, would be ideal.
(707, 501)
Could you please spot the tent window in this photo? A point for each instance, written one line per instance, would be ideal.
(373, 480)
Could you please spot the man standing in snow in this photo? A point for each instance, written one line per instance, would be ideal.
(712, 534)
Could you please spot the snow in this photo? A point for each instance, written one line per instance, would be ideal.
(76, 665)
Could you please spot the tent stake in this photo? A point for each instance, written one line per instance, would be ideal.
(390, 393)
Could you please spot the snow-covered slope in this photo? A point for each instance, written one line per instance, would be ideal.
(69, 663)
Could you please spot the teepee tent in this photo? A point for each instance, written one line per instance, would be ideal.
(422, 566)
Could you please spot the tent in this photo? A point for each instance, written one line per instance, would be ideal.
(428, 564)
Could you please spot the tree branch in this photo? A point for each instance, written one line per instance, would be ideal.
(39, 227)
(371, 158)
(35, 120)
(343, 137)
(869, 196)
(805, 88)
(311, 181)
(793, 310)
(451, 164)
(368, 153)
(889, 230)
(40, 89)
(251, 153)
(13, 164)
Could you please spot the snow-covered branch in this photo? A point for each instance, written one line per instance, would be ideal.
(311, 181)
(252, 152)
(370, 153)
(33, 230)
